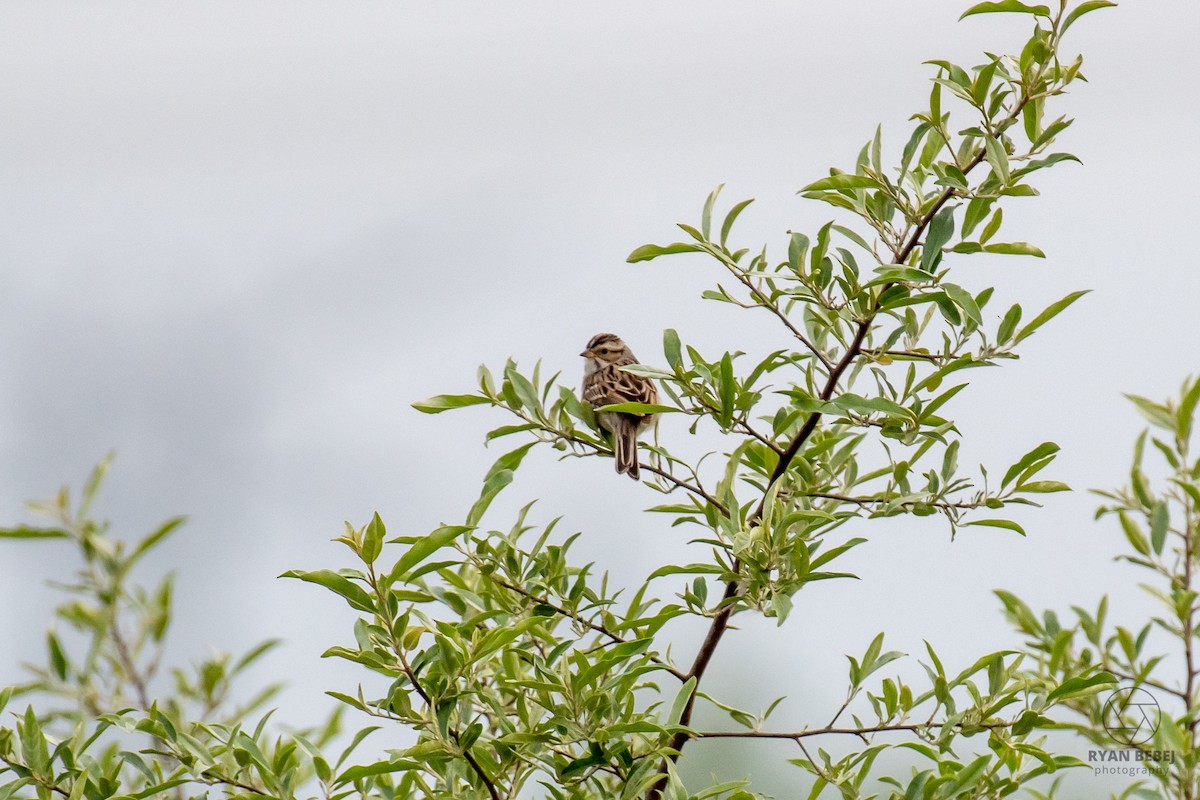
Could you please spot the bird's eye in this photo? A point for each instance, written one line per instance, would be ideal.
(603, 351)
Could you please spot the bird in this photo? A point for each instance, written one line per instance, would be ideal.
(605, 383)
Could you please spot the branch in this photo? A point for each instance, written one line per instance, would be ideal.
(764, 302)
(866, 501)
(750, 734)
(600, 629)
(398, 648)
(1153, 684)
(15, 766)
(600, 449)
(720, 622)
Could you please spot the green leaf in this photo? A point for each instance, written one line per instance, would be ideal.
(728, 391)
(706, 216)
(1043, 487)
(29, 532)
(997, 158)
(33, 744)
(651, 251)
(731, 217)
(1014, 249)
(639, 408)
(1154, 413)
(1160, 520)
(1134, 534)
(1052, 311)
(1036, 454)
(681, 701)
(491, 487)
(1003, 6)
(1008, 324)
(378, 768)
(963, 299)
(941, 229)
(966, 777)
(1084, 8)
(354, 594)
(841, 181)
(445, 402)
(58, 659)
(156, 536)
(854, 402)
(373, 540)
(424, 547)
(1006, 524)
(1079, 685)
(672, 349)
(510, 461)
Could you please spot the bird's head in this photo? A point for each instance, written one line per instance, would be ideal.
(604, 349)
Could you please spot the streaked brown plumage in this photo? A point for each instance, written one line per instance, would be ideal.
(604, 383)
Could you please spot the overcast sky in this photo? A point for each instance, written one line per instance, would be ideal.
(240, 238)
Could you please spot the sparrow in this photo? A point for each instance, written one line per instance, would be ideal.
(604, 383)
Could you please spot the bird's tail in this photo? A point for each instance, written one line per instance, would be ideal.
(625, 448)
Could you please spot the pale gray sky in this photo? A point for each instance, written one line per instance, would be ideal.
(239, 238)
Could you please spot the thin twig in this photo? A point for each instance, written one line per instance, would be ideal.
(15, 766)
(766, 303)
(867, 501)
(596, 627)
(752, 734)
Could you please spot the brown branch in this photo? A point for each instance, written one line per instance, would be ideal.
(751, 734)
(866, 501)
(720, 622)
(1153, 684)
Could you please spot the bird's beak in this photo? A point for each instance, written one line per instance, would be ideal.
(588, 354)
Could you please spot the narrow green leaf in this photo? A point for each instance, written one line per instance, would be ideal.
(706, 216)
(1006, 524)
(424, 547)
(731, 217)
(1008, 324)
(681, 701)
(1052, 311)
(29, 532)
(963, 299)
(445, 402)
(1006, 5)
(997, 158)
(639, 408)
(651, 251)
(941, 229)
(1160, 520)
(354, 594)
(1084, 8)
(1036, 454)
(841, 181)
(1043, 487)
(672, 349)
(157, 536)
(1014, 249)
(1078, 686)
(373, 540)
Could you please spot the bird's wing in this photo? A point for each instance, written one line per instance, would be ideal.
(614, 385)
